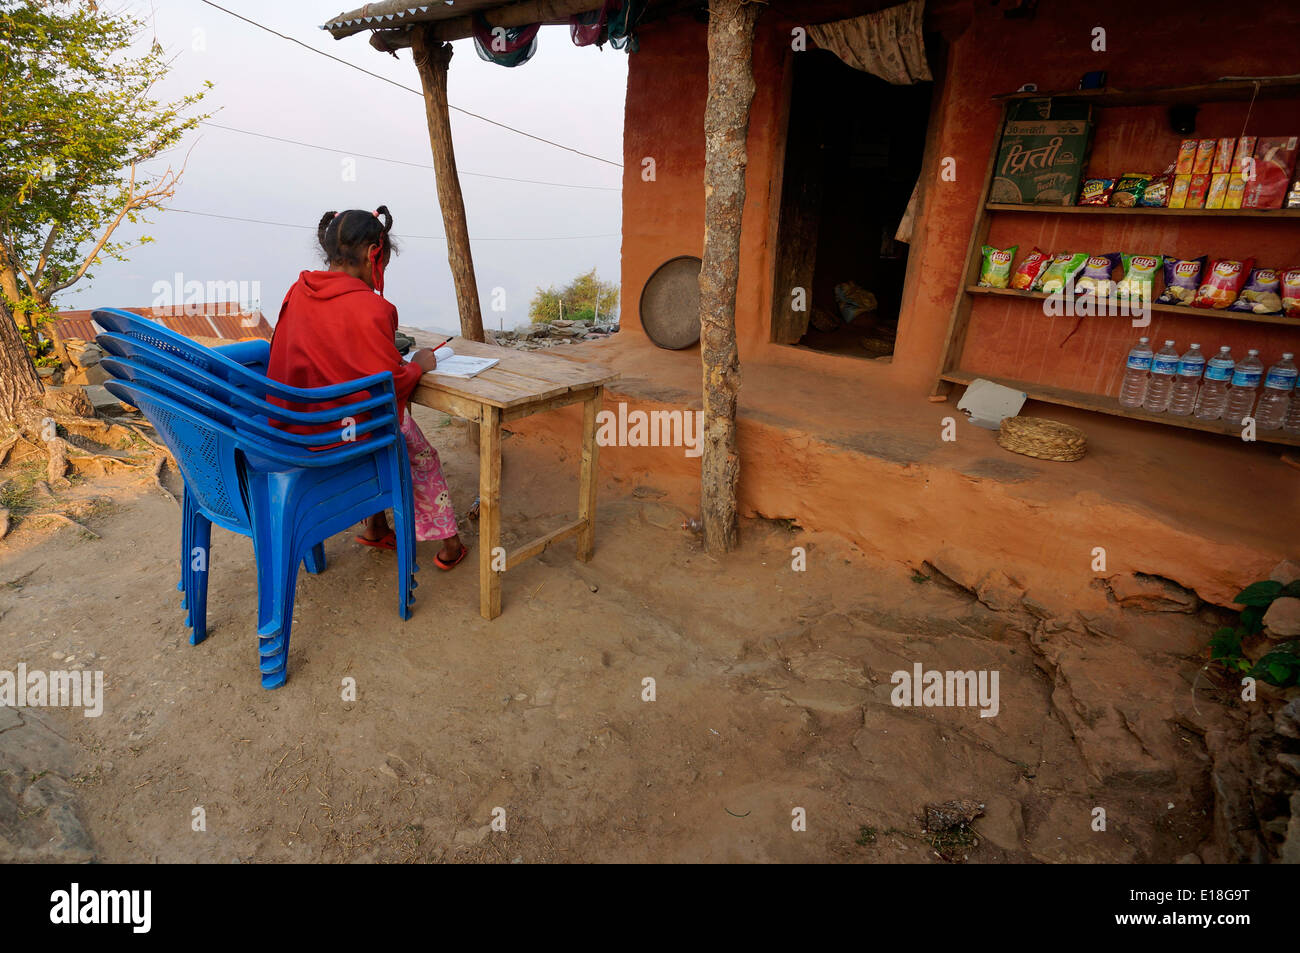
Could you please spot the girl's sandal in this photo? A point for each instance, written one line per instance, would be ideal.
(447, 567)
(388, 541)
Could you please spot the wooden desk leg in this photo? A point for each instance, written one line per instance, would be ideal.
(489, 518)
(587, 477)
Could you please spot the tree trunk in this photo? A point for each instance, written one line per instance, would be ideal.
(726, 125)
(432, 59)
(20, 385)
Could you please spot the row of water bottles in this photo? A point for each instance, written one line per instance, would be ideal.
(1220, 388)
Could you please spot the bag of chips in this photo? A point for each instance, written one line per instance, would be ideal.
(1156, 194)
(1262, 293)
(1029, 269)
(1061, 271)
(1129, 189)
(1096, 191)
(1291, 292)
(1095, 278)
(995, 271)
(1139, 277)
(1222, 282)
(1182, 278)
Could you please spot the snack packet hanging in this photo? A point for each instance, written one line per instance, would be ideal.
(1139, 277)
(1262, 294)
(1291, 292)
(1182, 278)
(1029, 269)
(1222, 282)
(995, 271)
(1095, 278)
(1096, 191)
(1129, 189)
(1061, 271)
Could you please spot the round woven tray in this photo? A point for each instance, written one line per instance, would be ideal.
(1044, 439)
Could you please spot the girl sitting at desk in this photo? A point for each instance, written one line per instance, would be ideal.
(336, 326)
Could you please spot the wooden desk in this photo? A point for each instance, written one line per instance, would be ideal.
(524, 383)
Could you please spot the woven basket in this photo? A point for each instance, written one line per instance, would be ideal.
(1044, 439)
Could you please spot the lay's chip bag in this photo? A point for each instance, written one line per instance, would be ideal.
(995, 270)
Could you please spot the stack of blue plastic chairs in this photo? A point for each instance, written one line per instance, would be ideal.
(287, 491)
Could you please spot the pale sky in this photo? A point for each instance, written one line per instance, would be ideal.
(268, 85)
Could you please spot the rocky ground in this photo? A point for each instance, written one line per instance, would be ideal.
(540, 336)
(773, 703)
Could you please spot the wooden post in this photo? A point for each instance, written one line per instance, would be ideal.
(489, 516)
(431, 59)
(726, 126)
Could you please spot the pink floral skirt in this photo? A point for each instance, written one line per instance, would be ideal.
(435, 518)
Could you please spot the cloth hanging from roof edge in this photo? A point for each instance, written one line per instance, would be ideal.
(591, 28)
(615, 21)
(887, 43)
(511, 46)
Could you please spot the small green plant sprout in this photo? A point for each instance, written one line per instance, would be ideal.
(1279, 667)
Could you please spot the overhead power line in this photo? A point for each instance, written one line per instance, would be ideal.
(409, 89)
(436, 238)
(414, 165)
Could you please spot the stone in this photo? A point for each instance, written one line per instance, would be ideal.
(1286, 720)
(1035, 608)
(1288, 570)
(1167, 632)
(4, 522)
(90, 355)
(1136, 590)
(1189, 859)
(1282, 620)
(71, 400)
(999, 591)
(1290, 761)
(102, 400)
(1290, 852)
(1003, 823)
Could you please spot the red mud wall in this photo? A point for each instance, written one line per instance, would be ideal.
(665, 114)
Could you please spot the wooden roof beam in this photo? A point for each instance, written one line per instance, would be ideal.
(449, 23)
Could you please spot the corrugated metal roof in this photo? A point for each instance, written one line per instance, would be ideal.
(226, 321)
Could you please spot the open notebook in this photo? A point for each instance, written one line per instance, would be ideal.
(458, 365)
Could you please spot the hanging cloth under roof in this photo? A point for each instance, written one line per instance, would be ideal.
(505, 46)
(588, 29)
(615, 21)
(887, 43)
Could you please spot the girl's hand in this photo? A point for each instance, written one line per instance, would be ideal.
(425, 358)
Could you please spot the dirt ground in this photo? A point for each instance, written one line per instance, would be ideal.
(772, 693)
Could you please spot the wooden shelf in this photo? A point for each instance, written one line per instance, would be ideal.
(1220, 92)
(1254, 214)
(1110, 405)
(1164, 308)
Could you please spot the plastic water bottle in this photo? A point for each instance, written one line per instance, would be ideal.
(1291, 422)
(1164, 367)
(1136, 374)
(1190, 367)
(1245, 381)
(1214, 388)
(1276, 397)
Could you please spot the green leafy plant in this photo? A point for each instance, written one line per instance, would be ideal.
(1279, 667)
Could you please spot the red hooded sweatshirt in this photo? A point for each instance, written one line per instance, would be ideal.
(332, 329)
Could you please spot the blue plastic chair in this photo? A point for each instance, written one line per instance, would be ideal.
(253, 478)
(242, 367)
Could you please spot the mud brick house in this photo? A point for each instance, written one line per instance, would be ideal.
(841, 429)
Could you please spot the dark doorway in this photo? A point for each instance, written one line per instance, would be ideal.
(854, 149)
